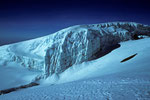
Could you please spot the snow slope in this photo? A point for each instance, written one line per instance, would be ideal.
(102, 79)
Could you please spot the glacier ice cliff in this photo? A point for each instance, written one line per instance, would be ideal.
(72, 45)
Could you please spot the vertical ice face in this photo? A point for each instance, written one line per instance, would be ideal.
(72, 45)
(76, 47)
(49, 52)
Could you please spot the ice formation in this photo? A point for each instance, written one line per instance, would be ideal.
(72, 45)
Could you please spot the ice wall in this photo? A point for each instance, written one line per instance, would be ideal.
(88, 42)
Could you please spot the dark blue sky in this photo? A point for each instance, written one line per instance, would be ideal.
(26, 19)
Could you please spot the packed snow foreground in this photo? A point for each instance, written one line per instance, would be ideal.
(84, 53)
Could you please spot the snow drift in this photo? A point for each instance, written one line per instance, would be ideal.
(72, 45)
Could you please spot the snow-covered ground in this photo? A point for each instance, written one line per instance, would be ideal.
(14, 75)
(102, 79)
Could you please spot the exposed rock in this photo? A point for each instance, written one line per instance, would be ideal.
(18, 88)
(128, 58)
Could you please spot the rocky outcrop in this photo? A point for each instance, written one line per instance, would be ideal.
(2, 92)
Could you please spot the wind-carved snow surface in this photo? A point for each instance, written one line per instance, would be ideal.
(72, 45)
